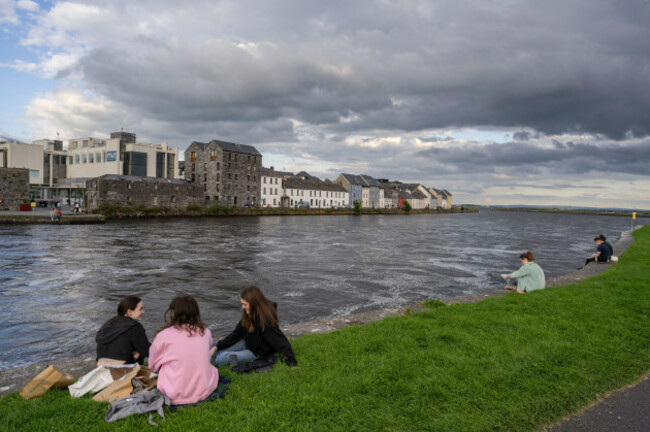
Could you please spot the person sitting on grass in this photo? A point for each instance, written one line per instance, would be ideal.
(602, 254)
(257, 334)
(122, 339)
(180, 353)
(529, 277)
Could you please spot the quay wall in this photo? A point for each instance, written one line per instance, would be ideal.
(14, 187)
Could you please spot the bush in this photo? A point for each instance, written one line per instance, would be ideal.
(407, 206)
(219, 210)
(357, 207)
(194, 207)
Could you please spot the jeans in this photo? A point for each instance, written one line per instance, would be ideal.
(222, 357)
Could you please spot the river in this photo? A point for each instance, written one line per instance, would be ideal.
(58, 284)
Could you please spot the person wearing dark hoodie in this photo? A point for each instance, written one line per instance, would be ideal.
(122, 339)
(257, 335)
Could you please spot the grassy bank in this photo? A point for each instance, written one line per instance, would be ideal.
(511, 363)
(193, 210)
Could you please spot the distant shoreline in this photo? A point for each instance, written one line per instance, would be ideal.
(574, 211)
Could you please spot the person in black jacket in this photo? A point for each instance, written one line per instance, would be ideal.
(257, 334)
(122, 339)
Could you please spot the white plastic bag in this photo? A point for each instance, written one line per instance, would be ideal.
(94, 381)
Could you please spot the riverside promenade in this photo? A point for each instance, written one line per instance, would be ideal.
(42, 216)
(79, 366)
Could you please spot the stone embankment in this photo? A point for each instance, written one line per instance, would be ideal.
(30, 218)
(15, 379)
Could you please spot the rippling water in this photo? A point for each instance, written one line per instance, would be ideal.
(58, 284)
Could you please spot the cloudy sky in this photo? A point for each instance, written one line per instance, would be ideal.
(500, 102)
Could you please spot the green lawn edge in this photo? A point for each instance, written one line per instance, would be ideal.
(513, 363)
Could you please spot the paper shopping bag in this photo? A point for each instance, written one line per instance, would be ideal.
(119, 389)
(49, 378)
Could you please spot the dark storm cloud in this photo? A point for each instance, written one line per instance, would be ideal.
(560, 158)
(351, 67)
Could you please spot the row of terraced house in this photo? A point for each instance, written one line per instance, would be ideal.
(120, 171)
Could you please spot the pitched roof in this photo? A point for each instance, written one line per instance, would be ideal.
(269, 172)
(237, 148)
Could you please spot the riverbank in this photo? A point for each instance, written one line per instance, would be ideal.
(516, 362)
(122, 212)
(30, 218)
(126, 212)
(574, 211)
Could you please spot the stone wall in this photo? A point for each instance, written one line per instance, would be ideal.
(14, 187)
(141, 191)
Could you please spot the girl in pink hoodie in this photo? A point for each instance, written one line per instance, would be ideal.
(180, 353)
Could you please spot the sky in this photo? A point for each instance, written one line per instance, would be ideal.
(499, 102)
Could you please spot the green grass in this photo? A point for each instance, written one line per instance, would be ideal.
(513, 363)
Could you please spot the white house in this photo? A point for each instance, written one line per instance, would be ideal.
(272, 186)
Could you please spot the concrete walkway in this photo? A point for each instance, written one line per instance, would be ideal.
(624, 410)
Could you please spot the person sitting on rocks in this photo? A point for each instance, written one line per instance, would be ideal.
(602, 254)
(529, 277)
(608, 244)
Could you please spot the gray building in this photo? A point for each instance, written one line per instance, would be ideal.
(229, 173)
(141, 191)
(14, 187)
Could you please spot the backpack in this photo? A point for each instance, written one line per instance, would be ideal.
(148, 401)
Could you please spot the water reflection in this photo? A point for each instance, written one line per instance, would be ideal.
(58, 284)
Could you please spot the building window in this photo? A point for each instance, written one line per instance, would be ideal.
(276, 181)
(205, 177)
(213, 155)
(217, 187)
(235, 176)
(218, 165)
(264, 191)
(98, 157)
(91, 158)
(193, 167)
(84, 158)
(248, 187)
(229, 165)
(229, 176)
(193, 156)
(276, 191)
(205, 166)
(70, 160)
(264, 180)
(172, 199)
(215, 198)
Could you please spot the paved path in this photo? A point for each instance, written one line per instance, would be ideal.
(626, 410)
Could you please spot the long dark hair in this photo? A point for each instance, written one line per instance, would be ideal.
(126, 304)
(262, 310)
(184, 311)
